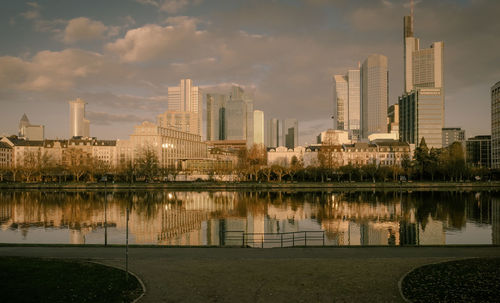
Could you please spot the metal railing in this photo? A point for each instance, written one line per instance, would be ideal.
(268, 240)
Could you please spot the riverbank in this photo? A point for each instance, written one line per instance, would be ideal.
(257, 185)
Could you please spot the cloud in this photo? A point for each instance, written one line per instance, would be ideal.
(105, 118)
(170, 6)
(179, 38)
(56, 71)
(84, 29)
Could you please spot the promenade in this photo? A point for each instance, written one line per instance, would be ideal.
(326, 274)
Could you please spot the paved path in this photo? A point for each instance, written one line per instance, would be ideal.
(365, 274)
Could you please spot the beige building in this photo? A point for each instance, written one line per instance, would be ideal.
(5, 155)
(186, 98)
(258, 127)
(169, 144)
(79, 126)
(30, 131)
(178, 120)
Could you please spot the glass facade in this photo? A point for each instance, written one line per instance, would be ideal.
(375, 98)
(495, 125)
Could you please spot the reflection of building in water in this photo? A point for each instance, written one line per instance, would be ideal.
(495, 220)
(432, 234)
(379, 233)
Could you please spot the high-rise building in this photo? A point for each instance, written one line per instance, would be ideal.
(421, 115)
(182, 121)
(423, 73)
(393, 118)
(216, 117)
(290, 133)
(495, 125)
(186, 98)
(374, 97)
(273, 133)
(29, 131)
(453, 134)
(258, 127)
(239, 116)
(79, 126)
(478, 151)
(347, 102)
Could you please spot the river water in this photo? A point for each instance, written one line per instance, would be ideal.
(251, 218)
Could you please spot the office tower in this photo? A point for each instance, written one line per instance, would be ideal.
(290, 133)
(340, 102)
(273, 133)
(374, 97)
(239, 116)
(393, 118)
(29, 131)
(79, 126)
(421, 115)
(216, 117)
(258, 127)
(453, 134)
(182, 121)
(478, 151)
(495, 125)
(423, 73)
(347, 102)
(186, 98)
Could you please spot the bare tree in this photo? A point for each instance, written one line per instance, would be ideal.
(147, 163)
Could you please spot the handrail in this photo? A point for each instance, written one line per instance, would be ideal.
(283, 239)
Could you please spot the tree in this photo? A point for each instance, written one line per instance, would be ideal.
(370, 170)
(278, 170)
(421, 157)
(76, 161)
(147, 163)
(457, 160)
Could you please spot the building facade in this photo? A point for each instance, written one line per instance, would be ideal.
(216, 117)
(258, 127)
(347, 102)
(187, 98)
(421, 115)
(424, 80)
(478, 151)
(273, 133)
(290, 133)
(79, 126)
(5, 155)
(453, 134)
(178, 120)
(495, 126)
(375, 97)
(30, 131)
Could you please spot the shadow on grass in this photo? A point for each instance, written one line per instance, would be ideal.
(51, 280)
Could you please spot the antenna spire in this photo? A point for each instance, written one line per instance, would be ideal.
(411, 13)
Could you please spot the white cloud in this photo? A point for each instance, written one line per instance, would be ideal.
(179, 38)
(82, 28)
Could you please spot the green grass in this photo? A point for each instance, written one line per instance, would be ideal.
(471, 280)
(50, 280)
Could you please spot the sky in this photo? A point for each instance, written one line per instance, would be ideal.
(120, 56)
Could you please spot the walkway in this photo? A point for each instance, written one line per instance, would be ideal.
(365, 274)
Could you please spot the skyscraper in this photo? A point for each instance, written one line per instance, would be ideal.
(239, 116)
(290, 133)
(347, 102)
(258, 127)
(30, 131)
(374, 98)
(79, 126)
(273, 133)
(453, 134)
(216, 117)
(186, 98)
(495, 125)
(423, 72)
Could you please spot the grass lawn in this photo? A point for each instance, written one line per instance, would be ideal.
(471, 280)
(51, 280)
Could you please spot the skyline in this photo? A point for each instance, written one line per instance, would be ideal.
(284, 52)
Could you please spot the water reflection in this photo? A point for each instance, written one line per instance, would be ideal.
(201, 218)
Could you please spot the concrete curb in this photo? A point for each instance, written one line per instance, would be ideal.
(131, 273)
(400, 282)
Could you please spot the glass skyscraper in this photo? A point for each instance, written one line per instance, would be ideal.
(374, 97)
(495, 125)
(347, 102)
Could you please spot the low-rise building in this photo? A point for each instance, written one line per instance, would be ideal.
(478, 151)
(5, 155)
